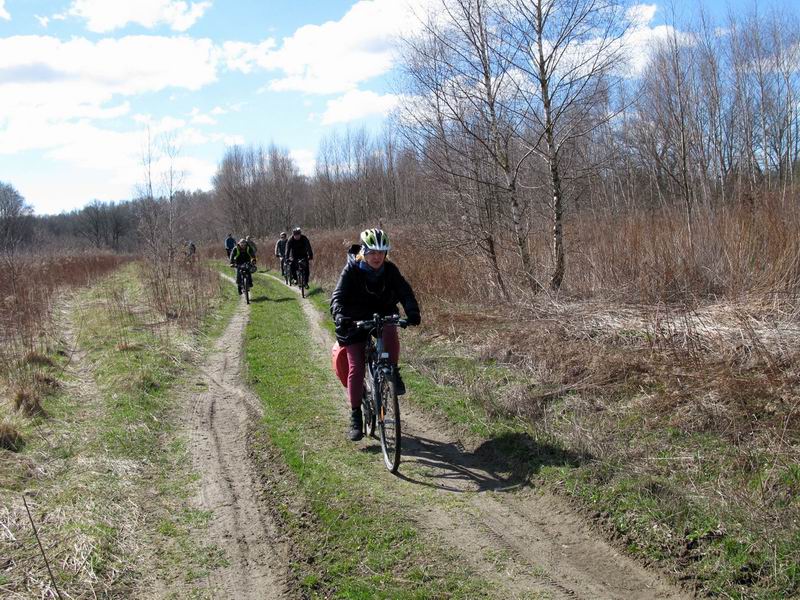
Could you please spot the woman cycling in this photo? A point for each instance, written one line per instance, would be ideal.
(369, 284)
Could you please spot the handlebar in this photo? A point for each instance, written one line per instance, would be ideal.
(378, 320)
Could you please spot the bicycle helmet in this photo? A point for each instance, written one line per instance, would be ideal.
(296, 230)
(375, 240)
(283, 235)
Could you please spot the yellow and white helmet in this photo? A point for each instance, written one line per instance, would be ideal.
(375, 240)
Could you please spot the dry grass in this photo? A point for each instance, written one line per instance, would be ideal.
(28, 402)
(10, 438)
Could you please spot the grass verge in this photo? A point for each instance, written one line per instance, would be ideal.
(106, 473)
(344, 511)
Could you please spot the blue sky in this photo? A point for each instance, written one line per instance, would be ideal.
(82, 81)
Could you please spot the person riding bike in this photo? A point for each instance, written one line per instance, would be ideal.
(230, 244)
(242, 255)
(298, 247)
(280, 249)
(369, 284)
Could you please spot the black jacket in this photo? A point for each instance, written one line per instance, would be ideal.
(296, 249)
(359, 299)
(280, 248)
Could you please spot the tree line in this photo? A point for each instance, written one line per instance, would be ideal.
(519, 120)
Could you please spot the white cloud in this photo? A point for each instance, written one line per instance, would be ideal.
(642, 38)
(44, 79)
(357, 104)
(3, 12)
(305, 159)
(106, 15)
(201, 119)
(228, 139)
(338, 55)
(43, 21)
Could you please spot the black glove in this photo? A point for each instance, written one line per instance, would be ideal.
(413, 319)
(342, 324)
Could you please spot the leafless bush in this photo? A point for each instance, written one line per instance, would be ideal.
(10, 438)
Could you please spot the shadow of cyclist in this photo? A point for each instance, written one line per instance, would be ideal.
(503, 463)
(266, 299)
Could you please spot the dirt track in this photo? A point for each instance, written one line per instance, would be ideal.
(526, 543)
(222, 417)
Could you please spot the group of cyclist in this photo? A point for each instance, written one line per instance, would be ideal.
(369, 284)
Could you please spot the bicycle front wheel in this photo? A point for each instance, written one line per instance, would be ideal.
(389, 423)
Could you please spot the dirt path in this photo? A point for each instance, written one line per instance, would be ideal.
(530, 544)
(223, 413)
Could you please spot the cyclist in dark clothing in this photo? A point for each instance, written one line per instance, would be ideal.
(280, 249)
(298, 247)
(230, 244)
(241, 255)
(369, 284)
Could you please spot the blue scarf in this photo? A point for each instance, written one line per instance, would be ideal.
(372, 274)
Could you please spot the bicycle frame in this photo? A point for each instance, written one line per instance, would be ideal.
(380, 372)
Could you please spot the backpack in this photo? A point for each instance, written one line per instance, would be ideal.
(339, 362)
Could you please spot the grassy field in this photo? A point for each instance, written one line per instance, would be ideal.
(104, 469)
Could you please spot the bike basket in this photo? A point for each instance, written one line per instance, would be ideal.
(340, 363)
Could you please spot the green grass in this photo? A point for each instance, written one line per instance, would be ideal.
(360, 543)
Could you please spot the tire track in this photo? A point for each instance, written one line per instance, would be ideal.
(223, 416)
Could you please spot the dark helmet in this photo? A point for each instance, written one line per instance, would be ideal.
(296, 230)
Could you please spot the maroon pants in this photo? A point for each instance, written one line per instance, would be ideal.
(357, 366)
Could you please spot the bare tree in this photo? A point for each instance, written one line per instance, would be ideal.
(14, 228)
(568, 53)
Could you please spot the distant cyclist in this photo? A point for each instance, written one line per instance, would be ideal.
(230, 244)
(298, 247)
(280, 249)
(189, 251)
(241, 255)
(369, 284)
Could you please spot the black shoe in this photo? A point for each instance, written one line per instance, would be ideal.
(356, 425)
(239, 290)
(399, 386)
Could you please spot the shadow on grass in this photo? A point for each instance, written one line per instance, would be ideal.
(314, 292)
(267, 299)
(504, 463)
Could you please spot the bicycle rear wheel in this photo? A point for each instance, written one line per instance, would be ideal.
(389, 423)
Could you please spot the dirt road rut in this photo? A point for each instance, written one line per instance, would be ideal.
(223, 414)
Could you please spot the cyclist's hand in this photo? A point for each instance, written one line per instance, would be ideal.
(402, 323)
(413, 319)
(343, 324)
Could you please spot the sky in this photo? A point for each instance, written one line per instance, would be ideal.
(84, 84)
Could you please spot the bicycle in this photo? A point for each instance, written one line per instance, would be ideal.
(284, 270)
(244, 278)
(302, 275)
(380, 407)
